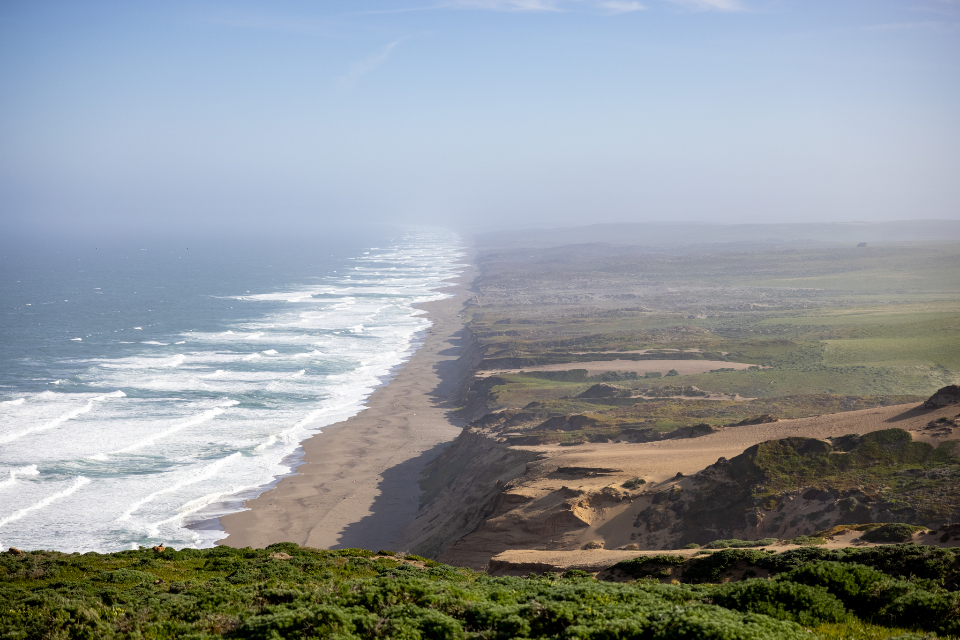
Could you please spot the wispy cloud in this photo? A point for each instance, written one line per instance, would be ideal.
(605, 6)
(711, 5)
(913, 26)
(620, 6)
(365, 66)
(507, 5)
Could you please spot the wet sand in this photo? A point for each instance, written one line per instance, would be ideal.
(357, 485)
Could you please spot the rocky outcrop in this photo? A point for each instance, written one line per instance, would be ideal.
(604, 390)
(944, 397)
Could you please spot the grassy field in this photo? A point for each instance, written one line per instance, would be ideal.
(873, 322)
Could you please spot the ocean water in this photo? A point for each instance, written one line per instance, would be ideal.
(146, 388)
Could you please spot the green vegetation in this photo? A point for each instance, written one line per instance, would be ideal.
(890, 457)
(739, 544)
(887, 533)
(824, 330)
(880, 477)
(292, 592)
(631, 419)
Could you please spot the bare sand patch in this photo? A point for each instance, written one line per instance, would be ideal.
(516, 562)
(660, 461)
(683, 367)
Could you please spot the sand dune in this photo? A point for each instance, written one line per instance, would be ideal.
(535, 512)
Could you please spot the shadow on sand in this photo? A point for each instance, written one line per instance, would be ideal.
(399, 489)
(910, 413)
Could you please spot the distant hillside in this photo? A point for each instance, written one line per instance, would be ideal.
(678, 234)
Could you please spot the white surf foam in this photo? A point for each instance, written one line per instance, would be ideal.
(196, 420)
(175, 361)
(70, 415)
(14, 402)
(196, 505)
(29, 470)
(79, 482)
(202, 474)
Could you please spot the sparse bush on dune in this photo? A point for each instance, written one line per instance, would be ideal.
(739, 544)
(896, 532)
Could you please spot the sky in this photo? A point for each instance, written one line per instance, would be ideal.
(477, 113)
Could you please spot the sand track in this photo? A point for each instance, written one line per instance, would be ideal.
(593, 367)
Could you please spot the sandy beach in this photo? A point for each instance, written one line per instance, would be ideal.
(357, 485)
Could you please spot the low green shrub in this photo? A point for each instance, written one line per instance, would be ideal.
(292, 592)
(853, 584)
(710, 568)
(643, 566)
(896, 532)
(703, 622)
(782, 600)
(739, 544)
(921, 609)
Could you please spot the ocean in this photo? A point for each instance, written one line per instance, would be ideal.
(147, 388)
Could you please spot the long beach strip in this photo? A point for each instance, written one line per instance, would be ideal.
(357, 485)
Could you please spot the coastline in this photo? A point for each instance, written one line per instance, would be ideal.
(357, 483)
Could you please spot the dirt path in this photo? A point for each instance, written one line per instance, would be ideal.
(683, 367)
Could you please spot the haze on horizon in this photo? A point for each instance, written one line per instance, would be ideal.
(477, 113)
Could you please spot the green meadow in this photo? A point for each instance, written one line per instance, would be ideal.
(869, 322)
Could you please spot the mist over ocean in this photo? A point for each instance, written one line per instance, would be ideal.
(146, 387)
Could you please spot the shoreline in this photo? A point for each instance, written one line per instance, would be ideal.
(357, 481)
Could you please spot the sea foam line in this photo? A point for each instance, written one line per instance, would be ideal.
(200, 419)
(29, 470)
(195, 505)
(288, 435)
(70, 415)
(204, 473)
(79, 482)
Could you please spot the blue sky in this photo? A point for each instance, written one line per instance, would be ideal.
(479, 112)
